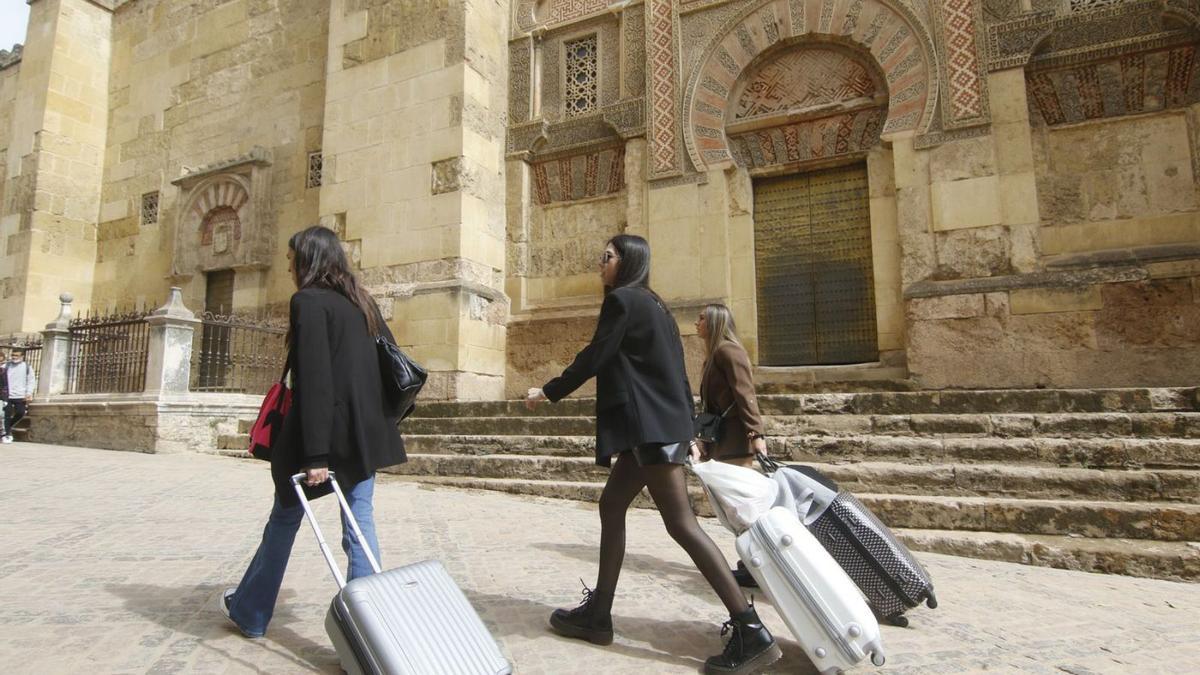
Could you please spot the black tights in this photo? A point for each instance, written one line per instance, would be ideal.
(668, 489)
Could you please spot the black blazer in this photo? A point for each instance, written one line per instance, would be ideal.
(336, 419)
(642, 391)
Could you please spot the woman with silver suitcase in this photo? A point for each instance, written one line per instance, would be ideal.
(336, 420)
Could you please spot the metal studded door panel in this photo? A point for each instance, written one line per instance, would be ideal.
(816, 300)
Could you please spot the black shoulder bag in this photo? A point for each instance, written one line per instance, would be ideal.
(402, 377)
(708, 427)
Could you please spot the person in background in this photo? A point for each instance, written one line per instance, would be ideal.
(21, 384)
(728, 385)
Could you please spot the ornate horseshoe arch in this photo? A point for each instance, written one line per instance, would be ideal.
(897, 41)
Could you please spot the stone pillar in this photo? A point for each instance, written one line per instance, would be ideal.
(423, 199)
(169, 358)
(56, 351)
(54, 164)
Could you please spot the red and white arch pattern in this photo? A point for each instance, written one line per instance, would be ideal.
(892, 37)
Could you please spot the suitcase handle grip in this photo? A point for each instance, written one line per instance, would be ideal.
(345, 508)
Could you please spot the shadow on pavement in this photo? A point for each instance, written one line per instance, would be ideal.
(685, 576)
(192, 611)
(530, 619)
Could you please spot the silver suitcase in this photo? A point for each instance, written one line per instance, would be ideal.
(409, 620)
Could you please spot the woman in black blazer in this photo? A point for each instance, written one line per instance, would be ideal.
(644, 419)
(336, 421)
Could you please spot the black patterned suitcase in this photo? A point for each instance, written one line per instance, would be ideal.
(883, 568)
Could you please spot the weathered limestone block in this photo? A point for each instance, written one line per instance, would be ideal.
(979, 252)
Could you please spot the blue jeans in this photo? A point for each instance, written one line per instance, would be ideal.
(253, 603)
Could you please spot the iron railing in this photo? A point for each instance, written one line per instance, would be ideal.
(237, 354)
(108, 353)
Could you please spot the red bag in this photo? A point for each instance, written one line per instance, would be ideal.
(274, 409)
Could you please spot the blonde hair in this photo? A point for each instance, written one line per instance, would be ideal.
(721, 329)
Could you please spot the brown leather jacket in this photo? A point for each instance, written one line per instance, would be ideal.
(728, 381)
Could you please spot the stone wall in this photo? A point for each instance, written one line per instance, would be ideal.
(196, 84)
(1117, 183)
(137, 424)
(414, 155)
(1114, 334)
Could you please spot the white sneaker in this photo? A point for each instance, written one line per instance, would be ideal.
(5, 439)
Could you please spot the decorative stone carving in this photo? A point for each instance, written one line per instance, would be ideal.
(890, 33)
(225, 221)
(662, 64)
(965, 101)
(592, 174)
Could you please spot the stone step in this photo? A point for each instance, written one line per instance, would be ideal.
(1170, 560)
(1164, 453)
(1005, 425)
(1166, 399)
(961, 480)
(502, 426)
(1132, 520)
(239, 441)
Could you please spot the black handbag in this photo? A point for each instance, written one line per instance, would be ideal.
(402, 379)
(708, 427)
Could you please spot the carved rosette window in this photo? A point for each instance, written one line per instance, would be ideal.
(582, 76)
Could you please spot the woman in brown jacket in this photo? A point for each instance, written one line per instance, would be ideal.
(727, 386)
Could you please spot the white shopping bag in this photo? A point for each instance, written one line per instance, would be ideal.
(738, 495)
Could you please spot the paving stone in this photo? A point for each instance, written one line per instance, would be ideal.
(119, 558)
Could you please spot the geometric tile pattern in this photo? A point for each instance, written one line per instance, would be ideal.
(801, 79)
(963, 67)
(896, 43)
(582, 81)
(592, 174)
(822, 138)
(1125, 84)
(565, 10)
(661, 58)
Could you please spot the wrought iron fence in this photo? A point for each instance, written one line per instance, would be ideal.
(108, 353)
(33, 351)
(237, 354)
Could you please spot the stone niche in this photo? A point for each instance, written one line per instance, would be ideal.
(225, 221)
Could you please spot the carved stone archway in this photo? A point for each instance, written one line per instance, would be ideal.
(893, 37)
(225, 221)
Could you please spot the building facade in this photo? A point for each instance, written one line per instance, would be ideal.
(960, 193)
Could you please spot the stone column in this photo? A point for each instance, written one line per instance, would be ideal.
(169, 359)
(56, 351)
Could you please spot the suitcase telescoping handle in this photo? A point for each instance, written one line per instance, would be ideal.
(345, 507)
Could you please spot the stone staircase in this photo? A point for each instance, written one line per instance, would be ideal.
(1097, 480)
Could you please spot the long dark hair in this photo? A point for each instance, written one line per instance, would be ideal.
(320, 262)
(633, 266)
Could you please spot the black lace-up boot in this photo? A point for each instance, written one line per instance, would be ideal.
(591, 620)
(750, 647)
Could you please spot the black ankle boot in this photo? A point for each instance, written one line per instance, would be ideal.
(591, 620)
(750, 647)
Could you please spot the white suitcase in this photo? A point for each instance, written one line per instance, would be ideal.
(820, 604)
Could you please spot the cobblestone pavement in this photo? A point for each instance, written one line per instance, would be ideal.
(112, 563)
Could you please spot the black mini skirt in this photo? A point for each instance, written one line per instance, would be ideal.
(660, 453)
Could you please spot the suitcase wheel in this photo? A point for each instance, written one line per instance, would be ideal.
(899, 620)
(931, 601)
(877, 659)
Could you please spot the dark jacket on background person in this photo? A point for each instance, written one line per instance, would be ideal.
(642, 392)
(336, 419)
(728, 381)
